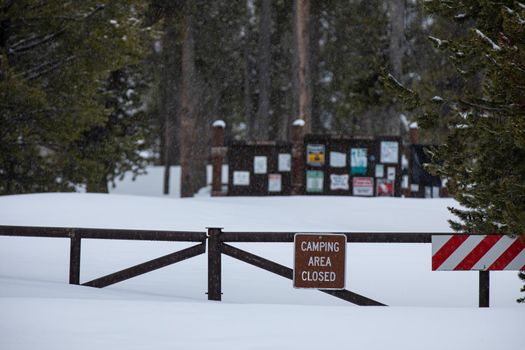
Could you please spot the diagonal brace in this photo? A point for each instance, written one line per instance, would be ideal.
(147, 266)
(287, 272)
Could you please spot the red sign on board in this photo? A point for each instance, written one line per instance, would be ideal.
(385, 188)
(363, 186)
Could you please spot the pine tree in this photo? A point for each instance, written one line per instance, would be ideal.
(484, 152)
(429, 72)
(124, 142)
(201, 78)
(55, 58)
(351, 95)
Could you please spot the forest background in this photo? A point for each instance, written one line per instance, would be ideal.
(93, 89)
(90, 90)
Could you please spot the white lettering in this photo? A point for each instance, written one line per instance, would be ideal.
(320, 246)
(304, 275)
(323, 261)
(317, 276)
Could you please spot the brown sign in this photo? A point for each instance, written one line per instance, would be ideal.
(319, 261)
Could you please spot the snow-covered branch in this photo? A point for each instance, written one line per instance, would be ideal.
(31, 43)
(487, 40)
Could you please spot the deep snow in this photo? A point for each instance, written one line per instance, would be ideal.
(167, 309)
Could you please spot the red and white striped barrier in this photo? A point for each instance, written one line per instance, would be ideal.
(477, 252)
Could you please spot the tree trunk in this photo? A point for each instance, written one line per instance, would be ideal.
(170, 96)
(248, 106)
(314, 66)
(262, 123)
(302, 23)
(206, 111)
(98, 185)
(247, 76)
(295, 71)
(191, 134)
(396, 51)
(397, 37)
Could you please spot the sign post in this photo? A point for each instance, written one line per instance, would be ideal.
(319, 261)
(483, 253)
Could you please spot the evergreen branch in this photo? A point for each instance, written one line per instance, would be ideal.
(487, 40)
(52, 67)
(408, 96)
(70, 18)
(98, 8)
(36, 69)
(486, 107)
(38, 5)
(31, 43)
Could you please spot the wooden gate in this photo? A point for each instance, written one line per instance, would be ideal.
(77, 234)
(217, 242)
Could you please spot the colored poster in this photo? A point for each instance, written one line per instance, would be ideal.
(358, 161)
(380, 170)
(314, 181)
(339, 182)
(363, 186)
(315, 155)
(241, 178)
(385, 188)
(260, 165)
(274, 183)
(337, 159)
(391, 173)
(389, 152)
(284, 162)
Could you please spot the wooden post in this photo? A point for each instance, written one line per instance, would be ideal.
(214, 264)
(297, 156)
(74, 258)
(484, 288)
(414, 134)
(218, 152)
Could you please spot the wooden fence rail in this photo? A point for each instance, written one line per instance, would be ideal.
(77, 234)
(218, 246)
(216, 241)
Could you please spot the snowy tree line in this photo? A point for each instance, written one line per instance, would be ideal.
(92, 89)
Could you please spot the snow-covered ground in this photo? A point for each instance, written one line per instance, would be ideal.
(167, 309)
